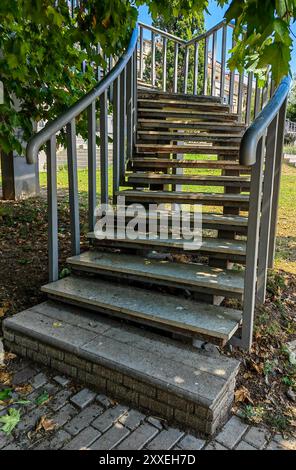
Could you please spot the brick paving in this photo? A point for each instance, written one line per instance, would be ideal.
(84, 419)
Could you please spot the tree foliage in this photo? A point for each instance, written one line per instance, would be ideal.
(42, 48)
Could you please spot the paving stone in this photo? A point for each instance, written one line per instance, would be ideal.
(83, 440)
(64, 415)
(12, 447)
(155, 422)
(60, 399)
(257, 437)
(132, 419)
(232, 432)
(61, 380)
(111, 438)
(138, 438)
(166, 439)
(39, 380)
(243, 445)
(23, 376)
(214, 445)
(109, 417)
(29, 420)
(83, 419)
(278, 442)
(4, 440)
(103, 400)
(60, 438)
(83, 398)
(190, 442)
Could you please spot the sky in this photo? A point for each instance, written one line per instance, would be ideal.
(215, 16)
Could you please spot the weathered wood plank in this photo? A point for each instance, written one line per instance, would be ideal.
(166, 163)
(208, 180)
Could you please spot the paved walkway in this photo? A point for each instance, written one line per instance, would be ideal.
(63, 415)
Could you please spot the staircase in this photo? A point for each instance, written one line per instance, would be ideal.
(194, 154)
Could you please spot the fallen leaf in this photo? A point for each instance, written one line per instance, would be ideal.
(5, 394)
(10, 420)
(242, 395)
(24, 389)
(42, 398)
(45, 424)
(5, 377)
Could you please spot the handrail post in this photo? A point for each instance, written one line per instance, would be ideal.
(164, 65)
(116, 132)
(195, 73)
(53, 256)
(175, 85)
(186, 63)
(122, 138)
(104, 146)
(91, 150)
(141, 67)
(271, 142)
(73, 188)
(252, 247)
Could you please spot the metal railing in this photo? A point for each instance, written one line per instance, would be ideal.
(261, 147)
(290, 127)
(199, 66)
(122, 81)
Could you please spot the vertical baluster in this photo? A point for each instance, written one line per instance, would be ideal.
(249, 98)
(52, 204)
(195, 73)
(231, 81)
(141, 65)
(116, 131)
(257, 99)
(91, 151)
(99, 71)
(122, 136)
(153, 74)
(104, 146)
(186, 61)
(129, 104)
(223, 62)
(134, 91)
(240, 96)
(266, 210)
(164, 66)
(176, 68)
(206, 71)
(73, 187)
(252, 246)
(214, 58)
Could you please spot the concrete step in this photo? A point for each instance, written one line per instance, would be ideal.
(163, 311)
(166, 377)
(191, 276)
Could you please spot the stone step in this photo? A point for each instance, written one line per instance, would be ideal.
(147, 163)
(215, 247)
(191, 276)
(163, 311)
(209, 199)
(198, 180)
(170, 379)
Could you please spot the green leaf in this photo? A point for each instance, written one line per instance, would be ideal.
(10, 420)
(5, 394)
(42, 398)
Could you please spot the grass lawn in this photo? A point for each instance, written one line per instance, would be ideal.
(286, 241)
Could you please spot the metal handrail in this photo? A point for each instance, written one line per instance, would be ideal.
(163, 33)
(81, 105)
(258, 128)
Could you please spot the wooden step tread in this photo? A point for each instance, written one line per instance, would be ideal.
(196, 134)
(160, 310)
(157, 178)
(186, 112)
(159, 94)
(169, 163)
(216, 246)
(145, 137)
(188, 148)
(182, 197)
(184, 275)
(191, 124)
(169, 102)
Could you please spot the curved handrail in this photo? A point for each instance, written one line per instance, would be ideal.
(258, 128)
(57, 124)
(163, 33)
